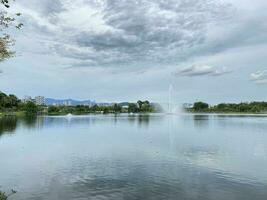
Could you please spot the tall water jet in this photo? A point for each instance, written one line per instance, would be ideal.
(170, 103)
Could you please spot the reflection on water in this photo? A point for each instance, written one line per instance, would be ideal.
(201, 121)
(8, 125)
(194, 157)
(31, 121)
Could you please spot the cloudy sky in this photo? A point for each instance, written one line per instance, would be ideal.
(125, 50)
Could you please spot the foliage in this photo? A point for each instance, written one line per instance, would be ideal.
(8, 124)
(132, 108)
(144, 106)
(6, 21)
(115, 108)
(252, 107)
(53, 109)
(4, 196)
(200, 106)
(31, 108)
(249, 107)
(8, 101)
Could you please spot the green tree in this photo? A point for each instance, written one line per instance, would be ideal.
(132, 108)
(117, 108)
(200, 106)
(4, 196)
(94, 108)
(7, 20)
(14, 101)
(146, 107)
(53, 109)
(105, 110)
(139, 103)
(10, 101)
(2, 99)
(31, 108)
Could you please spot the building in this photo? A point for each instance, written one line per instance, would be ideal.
(39, 100)
(67, 103)
(27, 99)
(188, 105)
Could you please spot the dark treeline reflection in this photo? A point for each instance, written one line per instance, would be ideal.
(201, 121)
(9, 124)
(142, 120)
(116, 119)
(29, 121)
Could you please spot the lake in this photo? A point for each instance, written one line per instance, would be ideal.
(132, 157)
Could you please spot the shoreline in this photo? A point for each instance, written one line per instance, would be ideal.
(23, 114)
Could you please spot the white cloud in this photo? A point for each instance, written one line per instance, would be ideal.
(91, 48)
(259, 77)
(120, 32)
(202, 70)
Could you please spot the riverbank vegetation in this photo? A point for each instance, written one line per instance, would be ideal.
(11, 105)
(244, 107)
(138, 107)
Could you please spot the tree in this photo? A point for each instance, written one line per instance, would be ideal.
(7, 20)
(2, 99)
(53, 109)
(139, 103)
(8, 101)
(94, 108)
(4, 196)
(132, 108)
(105, 110)
(14, 100)
(117, 108)
(146, 107)
(200, 106)
(31, 108)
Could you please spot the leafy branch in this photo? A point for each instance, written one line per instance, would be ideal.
(4, 196)
(7, 20)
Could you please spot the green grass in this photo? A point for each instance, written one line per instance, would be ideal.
(17, 114)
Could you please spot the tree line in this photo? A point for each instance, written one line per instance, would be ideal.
(11, 103)
(139, 106)
(243, 107)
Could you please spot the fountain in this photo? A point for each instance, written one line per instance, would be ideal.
(172, 107)
(170, 103)
(69, 115)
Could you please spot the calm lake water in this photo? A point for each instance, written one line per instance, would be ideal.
(132, 157)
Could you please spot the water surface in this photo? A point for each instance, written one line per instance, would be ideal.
(185, 157)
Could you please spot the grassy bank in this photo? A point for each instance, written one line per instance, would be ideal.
(15, 114)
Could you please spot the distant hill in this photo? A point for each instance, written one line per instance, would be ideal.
(69, 102)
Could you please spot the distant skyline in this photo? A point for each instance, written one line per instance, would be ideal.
(123, 50)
